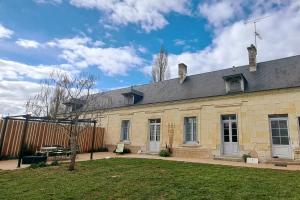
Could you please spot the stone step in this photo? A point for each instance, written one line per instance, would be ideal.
(229, 158)
(282, 161)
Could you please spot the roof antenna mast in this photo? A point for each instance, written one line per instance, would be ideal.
(254, 21)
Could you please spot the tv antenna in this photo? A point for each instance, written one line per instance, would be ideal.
(254, 21)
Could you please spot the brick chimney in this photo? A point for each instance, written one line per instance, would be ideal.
(252, 52)
(182, 71)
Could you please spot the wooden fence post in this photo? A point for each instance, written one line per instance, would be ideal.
(93, 141)
(2, 136)
(24, 132)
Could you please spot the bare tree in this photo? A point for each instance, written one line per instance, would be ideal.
(68, 97)
(48, 101)
(160, 66)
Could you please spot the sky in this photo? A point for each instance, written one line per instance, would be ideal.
(118, 39)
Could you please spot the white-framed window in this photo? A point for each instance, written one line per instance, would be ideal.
(235, 85)
(190, 130)
(279, 130)
(125, 126)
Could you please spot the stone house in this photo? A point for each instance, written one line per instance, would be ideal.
(227, 113)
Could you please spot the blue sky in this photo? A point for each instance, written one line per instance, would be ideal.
(118, 39)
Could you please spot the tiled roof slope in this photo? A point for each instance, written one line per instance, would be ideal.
(274, 74)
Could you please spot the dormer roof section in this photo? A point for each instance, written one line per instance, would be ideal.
(133, 96)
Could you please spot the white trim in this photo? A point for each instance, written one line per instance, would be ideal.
(280, 145)
(127, 140)
(155, 129)
(229, 121)
(194, 140)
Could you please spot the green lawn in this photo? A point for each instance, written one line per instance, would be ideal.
(121, 178)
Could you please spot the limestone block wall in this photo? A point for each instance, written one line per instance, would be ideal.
(252, 110)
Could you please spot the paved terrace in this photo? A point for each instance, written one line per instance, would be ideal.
(12, 164)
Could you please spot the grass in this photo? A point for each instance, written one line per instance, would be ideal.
(121, 178)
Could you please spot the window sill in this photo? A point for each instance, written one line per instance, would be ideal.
(235, 91)
(192, 145)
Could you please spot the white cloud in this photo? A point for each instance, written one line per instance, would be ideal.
(28, 43)
(82, 52)
(19, 82)
(142, 49)
(219, 12)
(14, 94)
(179, 42)
(5, 32)
(70, 43)
(53, 2)
(150, 15)
(19, 71)
(280, 33)
(99, 43)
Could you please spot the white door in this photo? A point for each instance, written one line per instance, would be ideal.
(230, 135)
(154, 135)
(280, 137)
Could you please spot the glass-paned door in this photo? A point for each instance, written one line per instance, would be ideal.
(229, 134)
(280, 137)
(154, 135)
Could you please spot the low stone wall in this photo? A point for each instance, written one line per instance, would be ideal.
(186, 152)
(134, 149)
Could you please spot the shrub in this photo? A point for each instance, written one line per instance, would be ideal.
(103, 149)
(245, 156)
(126, 150)
(164, 153)
(38, 165)
(55, 163)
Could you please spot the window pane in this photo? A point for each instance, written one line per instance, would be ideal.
(152, 120)
(152, 133)
(235, 85)
(158, 133)
(125, 130)
(226, 138)
(225, 117)
(276, 140)
(233, 125)
(194, 130)
(284, 140)
(187, 137)
(275, 132)
(274, 124)
(283, 132)
(283, 124)
(233, 117)
(226, 125)
(190, 130)
(234, 132)
(234, 138)
(226, 131)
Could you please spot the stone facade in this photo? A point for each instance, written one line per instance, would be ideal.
(252, 111)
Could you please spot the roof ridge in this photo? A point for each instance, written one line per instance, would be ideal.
(199, 74)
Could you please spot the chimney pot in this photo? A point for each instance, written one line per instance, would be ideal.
(252, 52)
(182, 71)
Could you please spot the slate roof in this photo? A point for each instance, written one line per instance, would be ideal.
(274, 74)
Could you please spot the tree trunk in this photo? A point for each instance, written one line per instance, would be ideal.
(73, 145)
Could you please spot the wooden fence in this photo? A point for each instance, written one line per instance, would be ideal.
(42, 134)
